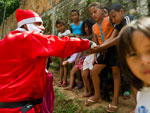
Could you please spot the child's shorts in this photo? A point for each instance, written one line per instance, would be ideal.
(88, 62)
(110, 58)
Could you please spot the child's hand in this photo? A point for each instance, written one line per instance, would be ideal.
(61, 36)
(95, 59)
(71, 35)
(65, 63)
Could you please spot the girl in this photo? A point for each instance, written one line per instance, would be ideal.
(134, 54)
(87, 32)
(75, 27)
(89, 60)
(102, 31)
(77, 67)
(60, 24)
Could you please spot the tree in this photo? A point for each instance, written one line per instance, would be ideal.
(11, 6)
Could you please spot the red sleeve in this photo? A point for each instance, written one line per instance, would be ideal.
(50, 45)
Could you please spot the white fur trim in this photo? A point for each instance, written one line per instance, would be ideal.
(21, 29)
(29, 20)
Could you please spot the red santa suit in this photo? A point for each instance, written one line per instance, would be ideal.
(22, 65)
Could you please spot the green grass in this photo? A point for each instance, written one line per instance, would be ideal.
(65, 105)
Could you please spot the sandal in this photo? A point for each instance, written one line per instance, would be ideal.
(126, 95)
(64, 84)
(87, 94)
(111, 108)
(59, 83)
(89, 102)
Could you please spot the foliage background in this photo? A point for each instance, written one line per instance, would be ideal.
(11, 6)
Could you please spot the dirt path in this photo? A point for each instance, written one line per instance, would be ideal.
(124, 105)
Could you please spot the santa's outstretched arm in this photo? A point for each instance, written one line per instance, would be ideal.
(50, 45)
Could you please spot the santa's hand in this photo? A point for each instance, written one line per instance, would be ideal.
(93, 49)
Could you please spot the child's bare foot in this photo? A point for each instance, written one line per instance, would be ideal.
(64, 84)
(59, 83)
(68, 88)
(87, 94)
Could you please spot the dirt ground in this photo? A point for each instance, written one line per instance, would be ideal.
(124, 105)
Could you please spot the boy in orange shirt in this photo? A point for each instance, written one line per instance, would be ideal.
(103, 30)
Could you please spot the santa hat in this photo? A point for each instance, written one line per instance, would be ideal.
(27, 16)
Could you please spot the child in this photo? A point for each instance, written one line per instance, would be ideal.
(105, 9)
(89, 60)
(63, 68)
(75, 27)
(102, 30)
(118, 17)
(134, 55)
(77, 67)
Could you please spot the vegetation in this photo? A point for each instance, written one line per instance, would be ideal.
(65, 105)
(7, 7)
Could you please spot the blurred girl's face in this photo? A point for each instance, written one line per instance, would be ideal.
(86, 29)
(74, 16)
(138, 60)
(96, 13)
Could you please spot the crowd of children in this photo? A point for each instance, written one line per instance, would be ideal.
(132, 56)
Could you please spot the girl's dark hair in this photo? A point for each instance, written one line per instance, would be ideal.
(89, 23)
(75, 10)
(115, 7)
(125, 45)
(60, 22)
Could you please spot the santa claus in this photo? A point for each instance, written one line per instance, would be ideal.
(23, 53)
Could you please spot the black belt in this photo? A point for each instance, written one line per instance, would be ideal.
(26, 105)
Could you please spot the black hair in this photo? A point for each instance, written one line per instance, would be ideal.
(60, 22)
(115, 7)
(89, 23)
(105, 8)
(125, 45)
(75, 10)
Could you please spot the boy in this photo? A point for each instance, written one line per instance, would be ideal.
(63, 68)
(117, 16)
(60, 25)
(102, 30)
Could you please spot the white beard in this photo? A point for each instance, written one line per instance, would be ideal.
(32, 27)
